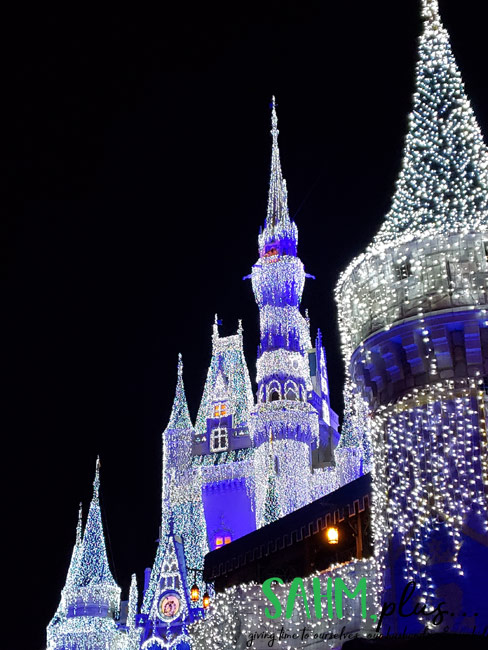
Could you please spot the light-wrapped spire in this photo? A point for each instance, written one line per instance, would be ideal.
(278, 226)
(443, 183)
(180, 415)
(132, 605)
(90, 600)
(94, 582)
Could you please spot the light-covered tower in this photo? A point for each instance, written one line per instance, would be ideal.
(181, 503)
(413, 321)
(285, 426)
(90, 600)
(222, 446)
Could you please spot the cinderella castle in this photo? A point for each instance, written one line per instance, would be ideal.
(414, 328)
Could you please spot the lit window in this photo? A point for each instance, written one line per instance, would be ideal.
(220, 410)
(219, 440)
(222, 540)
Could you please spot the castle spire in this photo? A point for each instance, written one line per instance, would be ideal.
(180, 415)
(90, 593)
(93, 564)
(132, 605)
(443, 183)
(278, 225)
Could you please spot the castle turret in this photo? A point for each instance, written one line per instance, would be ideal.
(177, 449)
(412, 312)
(181, 494)
(90, 600)
(285, 425)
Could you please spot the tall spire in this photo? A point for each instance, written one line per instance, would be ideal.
(277, 225)
(132, 605)
(443, 183)
(93, 567)
(180, 415)
(90, 600)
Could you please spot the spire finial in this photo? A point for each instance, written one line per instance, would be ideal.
(216, 327)
(239, 327)
(430, 11)
(180, 416)
(274, 122)
(277, 225)
(96, 481)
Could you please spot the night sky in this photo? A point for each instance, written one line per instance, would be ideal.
(139, 172)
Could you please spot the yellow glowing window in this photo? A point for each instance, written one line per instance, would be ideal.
(219, 541)
(227, 540)
(220, 410)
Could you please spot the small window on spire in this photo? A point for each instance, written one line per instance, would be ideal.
(220, 410)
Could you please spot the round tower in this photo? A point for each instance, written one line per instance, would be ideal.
(285, 426)
(412, 312)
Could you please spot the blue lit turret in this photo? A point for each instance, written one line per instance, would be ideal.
(285, 425)
(413, 320)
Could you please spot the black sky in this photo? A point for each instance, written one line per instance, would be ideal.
(138, 171)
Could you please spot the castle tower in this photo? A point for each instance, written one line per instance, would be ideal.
(413, 321)
(222, 445)
(285, 425)
(90, 600)
(181, 503)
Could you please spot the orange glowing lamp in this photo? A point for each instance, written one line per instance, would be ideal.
(206, 600)
(332, 535)
(194, 593)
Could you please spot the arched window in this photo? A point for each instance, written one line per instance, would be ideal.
(291, 391)
(274, 391)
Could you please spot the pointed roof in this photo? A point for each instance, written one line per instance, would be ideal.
(169, 572)
(443, 183)
(278, 224)
(93, 566)
(228, 374)
(132, 604)
(180, 415)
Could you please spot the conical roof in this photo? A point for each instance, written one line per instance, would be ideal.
(277, 224)
(443, 182)
(180, 415)
(93, 568)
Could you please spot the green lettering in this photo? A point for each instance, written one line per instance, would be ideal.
(272, 597)
(340, 588)
(317, 598)
(296, 585)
